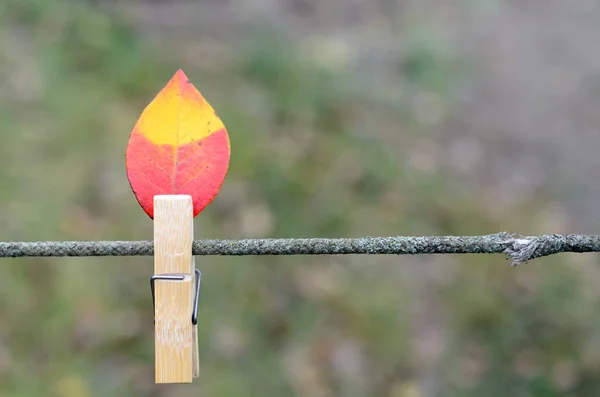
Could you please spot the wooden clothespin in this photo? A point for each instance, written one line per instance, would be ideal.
(177, 158)
(175, 290)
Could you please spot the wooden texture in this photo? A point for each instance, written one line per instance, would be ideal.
(175, 336)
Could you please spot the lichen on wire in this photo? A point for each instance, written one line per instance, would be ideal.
(518, 249)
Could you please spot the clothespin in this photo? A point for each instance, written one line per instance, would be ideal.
(175, 289)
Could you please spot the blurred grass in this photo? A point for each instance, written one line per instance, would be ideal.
(306, 161)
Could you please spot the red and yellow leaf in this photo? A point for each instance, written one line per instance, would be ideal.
(178, 146)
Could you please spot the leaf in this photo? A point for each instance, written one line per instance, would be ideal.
(178, 146)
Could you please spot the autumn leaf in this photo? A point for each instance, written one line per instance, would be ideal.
(178, 146)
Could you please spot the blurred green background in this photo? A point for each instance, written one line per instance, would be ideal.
(346, 118)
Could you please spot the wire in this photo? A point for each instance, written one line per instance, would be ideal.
(519, 249)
